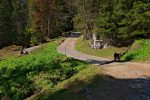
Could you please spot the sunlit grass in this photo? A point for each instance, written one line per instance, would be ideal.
(139, 51)
(21, 77)
(83, 47)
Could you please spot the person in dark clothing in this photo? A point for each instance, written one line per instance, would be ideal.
(117, 56)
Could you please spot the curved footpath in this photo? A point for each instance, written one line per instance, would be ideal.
(120, 70)
(130, 81)
(68, 48)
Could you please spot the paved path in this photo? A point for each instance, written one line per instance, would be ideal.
(68, 48)
(135, 76)
(119, 70)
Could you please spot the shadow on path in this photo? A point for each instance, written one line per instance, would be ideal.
(103, 62)
(104, 87)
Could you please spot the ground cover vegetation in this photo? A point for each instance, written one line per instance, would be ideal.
(84, 47)
(24, 76)
(74, 88)
(139, 51)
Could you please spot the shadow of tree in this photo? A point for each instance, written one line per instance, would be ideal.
(130, 57)
(14, 83)
(104, 62)
(97, 62)
(103, 87)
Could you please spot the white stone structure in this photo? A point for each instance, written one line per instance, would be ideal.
(96, 43)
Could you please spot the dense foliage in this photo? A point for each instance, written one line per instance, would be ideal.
(24, 76)
(30, 22)
(118, 22)
(122, 21)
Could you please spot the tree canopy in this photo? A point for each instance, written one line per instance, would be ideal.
(30, 22)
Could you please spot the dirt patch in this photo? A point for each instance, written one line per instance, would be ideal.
(127, 70)
(9, 51)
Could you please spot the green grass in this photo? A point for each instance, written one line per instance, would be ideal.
(139, 51)
(73, 88)
(84, 48)
(21, 77)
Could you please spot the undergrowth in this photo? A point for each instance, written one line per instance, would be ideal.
(21, 77)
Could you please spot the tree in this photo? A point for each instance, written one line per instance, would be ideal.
(87, 10)
(124, 21)
(6, 22)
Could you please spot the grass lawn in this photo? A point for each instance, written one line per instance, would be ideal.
(83, 47)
